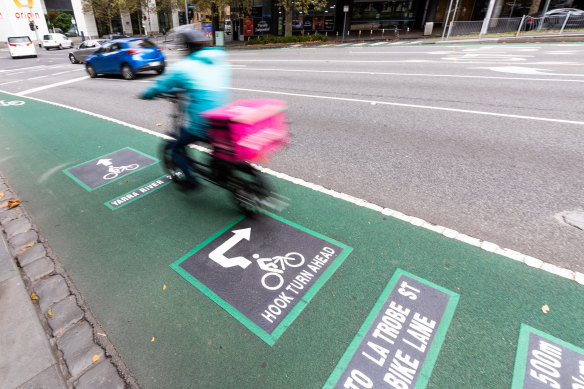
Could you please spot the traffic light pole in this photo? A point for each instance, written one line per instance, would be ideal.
(34, 27)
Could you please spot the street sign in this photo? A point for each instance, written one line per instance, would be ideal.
(399, 341)
(263, 271)
(346, 8)
(544, 361)
(108, 168)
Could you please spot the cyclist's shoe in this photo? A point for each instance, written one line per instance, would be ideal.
(187, 186)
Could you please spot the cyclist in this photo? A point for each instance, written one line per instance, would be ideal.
(205, 78)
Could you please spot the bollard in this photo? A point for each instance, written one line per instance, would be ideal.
(371, 34)
(382, 32)
(359, 34)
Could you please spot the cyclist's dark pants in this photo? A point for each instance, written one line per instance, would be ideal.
(179, 154)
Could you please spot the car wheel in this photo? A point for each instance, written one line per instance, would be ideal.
(72, 58)
(127, 72)
(60, 47)
(46, 48)
(91, 71)
(160, 71)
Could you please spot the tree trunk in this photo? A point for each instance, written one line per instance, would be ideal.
(289, 16)
(534, 7)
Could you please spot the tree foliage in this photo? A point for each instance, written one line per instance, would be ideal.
(288, 6)
(62, 21)
(103, 10)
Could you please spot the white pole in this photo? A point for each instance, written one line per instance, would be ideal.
(446, 21)
(487, 20)
(452, 21)
(565, 22)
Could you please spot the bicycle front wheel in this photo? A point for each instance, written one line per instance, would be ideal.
(294, 259)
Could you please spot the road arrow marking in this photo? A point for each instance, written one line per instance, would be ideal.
(218, 255)
(517, 70)
(525, 70)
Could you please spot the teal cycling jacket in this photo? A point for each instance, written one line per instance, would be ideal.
(204, 77)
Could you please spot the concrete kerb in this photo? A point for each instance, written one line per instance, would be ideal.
(86, 359)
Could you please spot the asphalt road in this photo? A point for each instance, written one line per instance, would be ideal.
(484, 139)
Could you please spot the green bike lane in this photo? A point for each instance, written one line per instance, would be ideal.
(179, 326)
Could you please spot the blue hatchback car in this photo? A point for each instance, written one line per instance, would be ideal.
(126, 56)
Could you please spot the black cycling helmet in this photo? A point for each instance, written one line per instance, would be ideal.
(189, 38)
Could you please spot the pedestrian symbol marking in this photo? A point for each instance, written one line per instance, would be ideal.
(263, 271)
(544, 361)
(399, 341)
(103, 170)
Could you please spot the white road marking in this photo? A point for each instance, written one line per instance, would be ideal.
(40, 88)
(415, 74)
(447, 232)
(36, 78)
(429, 107)
(524, 70)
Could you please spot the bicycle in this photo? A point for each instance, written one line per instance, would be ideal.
(114, 171)
(276, 266)
(249, 189)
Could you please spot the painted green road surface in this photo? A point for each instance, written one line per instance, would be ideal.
(172, 335)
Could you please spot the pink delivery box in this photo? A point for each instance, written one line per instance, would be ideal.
(248, 130)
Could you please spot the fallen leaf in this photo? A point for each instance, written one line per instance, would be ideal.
(33, 296)
(4, 204)
(158, 124)
(164, 287)
(95, 358)
(13, 203)
(60, 330)
(1, 195)
(27, 246)
(50, 313)
(153, 339)
(100, 334)
(545, 309)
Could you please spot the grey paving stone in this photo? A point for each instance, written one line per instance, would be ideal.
(8, 268)
(15, 213)
(20, 241)
(39, 268)
(3, 186)
(65, 314)
(10, 214)
(48, 379)
(24, 348)
(102, 376)
(8, 195)
(78, 348)
(32, 254)
(16, 226)
(51, 290)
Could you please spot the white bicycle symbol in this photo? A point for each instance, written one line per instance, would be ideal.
(114, 171)
(275, 267)
(11, 103)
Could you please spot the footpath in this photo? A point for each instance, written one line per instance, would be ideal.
(112, 284)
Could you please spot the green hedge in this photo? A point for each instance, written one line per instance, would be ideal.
(266, 39)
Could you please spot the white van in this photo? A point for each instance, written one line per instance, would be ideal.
(56, 41)
(21, 46)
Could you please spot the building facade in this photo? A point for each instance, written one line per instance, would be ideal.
(265, 17)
